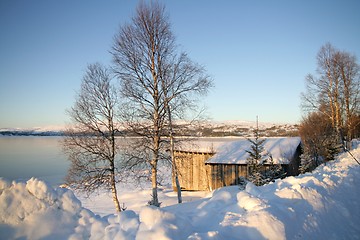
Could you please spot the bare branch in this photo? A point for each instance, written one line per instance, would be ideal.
(91, 144)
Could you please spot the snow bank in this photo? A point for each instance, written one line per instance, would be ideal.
(34, 210)
(319, 205)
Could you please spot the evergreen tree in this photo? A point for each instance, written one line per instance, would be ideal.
(274, 171)
(307, 162)
(256, 159)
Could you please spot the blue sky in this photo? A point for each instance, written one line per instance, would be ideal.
(257, 52)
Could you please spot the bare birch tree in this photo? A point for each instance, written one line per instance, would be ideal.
(349, 72)
(182, 81)
(335, 91)
(157, 82)
(90, 142)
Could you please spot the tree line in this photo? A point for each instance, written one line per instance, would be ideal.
(156, 84)
(331, 105)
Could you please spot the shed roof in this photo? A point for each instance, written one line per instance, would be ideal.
(204, 144)
(234, 152)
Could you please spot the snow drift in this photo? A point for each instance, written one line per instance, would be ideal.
(323, 204)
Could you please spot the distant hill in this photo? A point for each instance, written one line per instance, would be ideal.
(201, 129)
(37, 131)
(243, 129)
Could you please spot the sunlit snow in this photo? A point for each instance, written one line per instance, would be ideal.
(323, 204)
(281, 149)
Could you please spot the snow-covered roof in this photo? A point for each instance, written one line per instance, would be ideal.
(204, 145)
(234, 152)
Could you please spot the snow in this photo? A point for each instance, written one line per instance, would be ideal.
(323, 204)
(281, 149)
(205, 145)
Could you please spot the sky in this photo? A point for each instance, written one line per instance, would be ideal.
(257, 52)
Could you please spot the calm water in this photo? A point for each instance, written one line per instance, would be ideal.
(24, 157)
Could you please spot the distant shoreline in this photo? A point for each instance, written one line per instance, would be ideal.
(30, 133)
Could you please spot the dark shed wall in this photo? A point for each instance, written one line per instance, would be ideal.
(292, 169)
(227, 174)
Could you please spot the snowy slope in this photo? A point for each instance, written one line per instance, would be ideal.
(319, 205)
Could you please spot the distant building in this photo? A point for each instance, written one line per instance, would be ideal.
(219, 162)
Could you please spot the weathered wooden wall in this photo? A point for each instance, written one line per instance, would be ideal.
(193, 173)
(226, 174)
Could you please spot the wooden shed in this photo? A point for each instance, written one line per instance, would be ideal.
(226, 163)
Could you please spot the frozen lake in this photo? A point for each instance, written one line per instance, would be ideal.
(23, 157)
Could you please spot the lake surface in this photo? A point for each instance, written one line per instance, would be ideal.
(23, 157)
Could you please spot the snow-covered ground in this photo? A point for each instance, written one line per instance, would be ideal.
(323, 204)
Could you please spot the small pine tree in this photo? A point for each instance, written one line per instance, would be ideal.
(306, 162)
(255, 159)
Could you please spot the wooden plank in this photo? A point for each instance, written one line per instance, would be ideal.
(208, 186)
(216, 176)
(195, 176)
(202, 173)
(190, 167)
(226, 175)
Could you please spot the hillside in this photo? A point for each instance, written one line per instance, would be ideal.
(245, 129)
(200, 129)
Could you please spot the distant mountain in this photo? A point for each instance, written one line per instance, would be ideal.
(37, 131)
(244, 129)
(237, 128)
